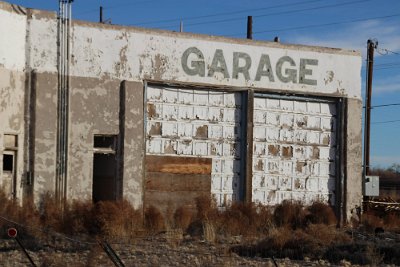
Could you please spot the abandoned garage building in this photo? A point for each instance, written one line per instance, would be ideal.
(90, 110)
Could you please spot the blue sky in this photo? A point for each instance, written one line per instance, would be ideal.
(343, 24)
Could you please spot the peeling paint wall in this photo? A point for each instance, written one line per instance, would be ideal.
(110, 65)
(12, 43)
(353, 181)
(44, 120)
(94, 106)
(159, 57)
(134, 143)
(12, 87)
(12, 121)
(135, 54)
(102, 51)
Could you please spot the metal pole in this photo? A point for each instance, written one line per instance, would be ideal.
(368, 96)
(181, 27)
(101, 14)
(111, 253)
(249, 27)
(68, 82)
(25, 252)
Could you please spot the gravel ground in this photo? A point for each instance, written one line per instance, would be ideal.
(144, 252)
(161, 250)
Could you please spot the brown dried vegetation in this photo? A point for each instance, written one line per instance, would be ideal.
(289, 230)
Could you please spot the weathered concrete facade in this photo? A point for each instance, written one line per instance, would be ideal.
(238, 119)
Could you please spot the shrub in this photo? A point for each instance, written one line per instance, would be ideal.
(154, 220)
(205, 207)
(290, 213)
(321, 213)
(245, 219)
(370, 221)
(78, 217)
(115, 219)
(183, 216)
(51, 213)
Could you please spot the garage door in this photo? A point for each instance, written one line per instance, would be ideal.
(294, 151)
(197, 123)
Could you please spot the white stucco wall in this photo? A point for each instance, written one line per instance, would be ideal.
(135, 54)
(12, 41)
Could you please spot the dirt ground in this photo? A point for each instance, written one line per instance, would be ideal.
(172, 249)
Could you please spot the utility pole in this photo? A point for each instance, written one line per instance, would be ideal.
(371, 46)
(181, 26)
(101, 19)
(249, 27)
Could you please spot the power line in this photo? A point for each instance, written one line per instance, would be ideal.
(127, 3)
(388, 68)
(388, 64)
(222, 14)
(278, 13)
(386, 105)
(321, 25)
(384, 66)
(387, 51)
(383, 122)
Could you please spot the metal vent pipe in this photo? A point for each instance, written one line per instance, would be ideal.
(64, 59)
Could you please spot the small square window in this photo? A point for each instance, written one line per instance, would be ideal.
(10, 141)
(8, 163)
(104, 141)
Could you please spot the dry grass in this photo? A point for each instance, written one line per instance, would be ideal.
(206, 208)
(154, 220)
(245, 220)
(77, 218)
(370, 222)
(209, 231)
(290, 213)
(183, 217)
(106, 219)
(51, 213)
(321, 213)
(292, 230)
(115, 219)
(392, 222)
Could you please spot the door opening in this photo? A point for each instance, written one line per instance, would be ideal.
(104, 168)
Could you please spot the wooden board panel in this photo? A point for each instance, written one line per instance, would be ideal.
(173, 182)
(177, 182)
(165, 201)
(178, 165)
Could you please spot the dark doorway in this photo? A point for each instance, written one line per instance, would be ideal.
(104, 177)
(104, 168)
